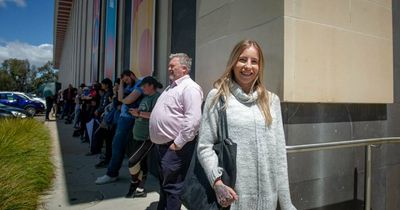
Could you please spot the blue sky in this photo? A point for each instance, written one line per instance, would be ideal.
(26, 30)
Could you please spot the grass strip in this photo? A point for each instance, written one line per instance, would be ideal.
(26, 170)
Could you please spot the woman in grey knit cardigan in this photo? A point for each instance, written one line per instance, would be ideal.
(255, 124)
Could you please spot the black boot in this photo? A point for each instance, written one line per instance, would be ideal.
(132, 189)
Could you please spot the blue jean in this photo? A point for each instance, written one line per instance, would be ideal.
(122, 136)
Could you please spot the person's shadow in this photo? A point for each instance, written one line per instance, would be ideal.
(153, 206)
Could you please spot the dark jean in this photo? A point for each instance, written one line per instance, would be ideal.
(109, 140)
(173, 167)
(68, 109)
(98, 140)
(122, 136)
(49, 105)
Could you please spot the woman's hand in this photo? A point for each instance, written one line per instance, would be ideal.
(225, 195)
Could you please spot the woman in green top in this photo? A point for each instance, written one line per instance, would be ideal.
(141, 140)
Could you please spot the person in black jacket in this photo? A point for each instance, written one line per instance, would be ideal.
(69, 100)
(101, 133)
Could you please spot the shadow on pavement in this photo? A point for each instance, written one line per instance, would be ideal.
(80, 172)
(153, 206)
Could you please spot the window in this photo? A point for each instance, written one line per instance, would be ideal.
(10, 97)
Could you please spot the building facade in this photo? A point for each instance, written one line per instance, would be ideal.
(334, 64)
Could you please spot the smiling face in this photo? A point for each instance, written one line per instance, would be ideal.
(246, 68)
(176, 70)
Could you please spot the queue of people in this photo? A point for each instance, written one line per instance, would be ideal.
(134, 117)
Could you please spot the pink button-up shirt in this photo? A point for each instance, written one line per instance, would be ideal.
(177, 113)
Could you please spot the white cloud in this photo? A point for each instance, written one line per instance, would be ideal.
(19, 3)
(37, 55)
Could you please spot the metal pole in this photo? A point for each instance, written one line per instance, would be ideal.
(367, 193)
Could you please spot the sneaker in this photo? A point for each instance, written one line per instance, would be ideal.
(140, 193)
(101, 164)
(102, 156)
(132, 189)
(105, 179)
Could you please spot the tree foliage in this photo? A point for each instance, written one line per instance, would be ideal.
(19, 75)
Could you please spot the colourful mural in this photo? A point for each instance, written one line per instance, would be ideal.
(110, 39)
(142, 37)
(94, 72)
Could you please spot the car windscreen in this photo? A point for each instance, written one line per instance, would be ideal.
(30, 96)
(23, 97)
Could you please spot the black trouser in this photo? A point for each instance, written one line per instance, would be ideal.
(68, 109)
(138, 161)
(98, 140)
(173, 167)
(86, 116)
(49, 105)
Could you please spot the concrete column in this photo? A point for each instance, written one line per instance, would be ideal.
(162, 40)
(88, 35)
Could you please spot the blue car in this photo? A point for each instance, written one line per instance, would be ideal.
(12, 112)
(20, 100)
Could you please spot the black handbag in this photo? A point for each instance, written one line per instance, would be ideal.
(198, 194)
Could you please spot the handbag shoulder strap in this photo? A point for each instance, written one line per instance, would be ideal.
(223, 122)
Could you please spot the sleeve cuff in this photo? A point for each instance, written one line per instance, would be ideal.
(215, 173)
(179, 142)
(285, 201)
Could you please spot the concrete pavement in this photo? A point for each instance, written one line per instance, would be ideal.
(74, 187)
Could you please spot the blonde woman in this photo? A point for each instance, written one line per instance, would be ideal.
(255, 124)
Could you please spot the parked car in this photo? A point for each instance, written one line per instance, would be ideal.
(20, 100)
(9, 111)
(36, 98)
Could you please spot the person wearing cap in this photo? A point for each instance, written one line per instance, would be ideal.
(142, 145)
(174, 124)
(130, 94)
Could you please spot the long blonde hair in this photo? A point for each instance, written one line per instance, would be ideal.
(222, 84)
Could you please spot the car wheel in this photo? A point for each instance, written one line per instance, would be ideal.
(31, 111)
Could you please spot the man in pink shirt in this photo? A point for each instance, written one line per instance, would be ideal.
(174, 123)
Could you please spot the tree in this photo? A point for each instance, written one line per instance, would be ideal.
(18, 70)
(6, 82)
(18, 75)
(44, 74)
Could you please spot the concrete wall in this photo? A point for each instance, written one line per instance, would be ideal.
(319, 51)
(75, 62)
(75, 66)
(221, 24)
(335, 50)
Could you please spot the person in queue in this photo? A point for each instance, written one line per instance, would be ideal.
(255, 125)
